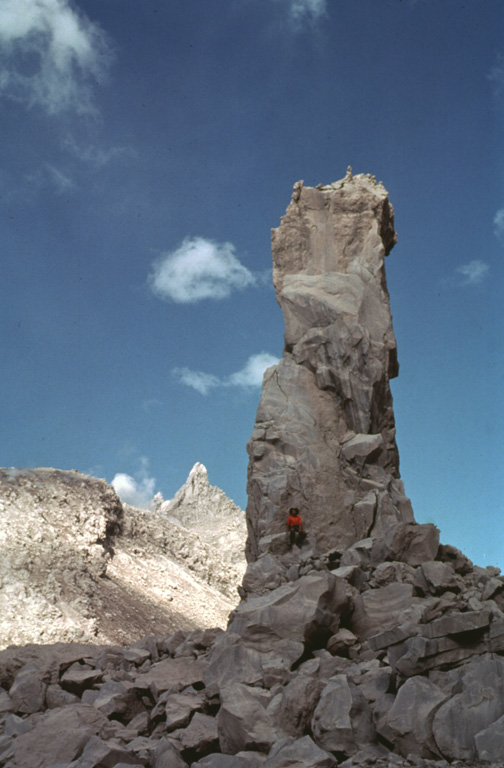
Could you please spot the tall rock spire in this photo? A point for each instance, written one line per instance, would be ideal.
(324, 437)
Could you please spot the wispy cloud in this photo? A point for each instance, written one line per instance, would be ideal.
(498, 223)
(496, 77)
(96, 157)
(249, 377)
(49, 175)
(474, 272)
(51, 53)
(199, 269)
(307, 9)
(138, 490)
(198, 380)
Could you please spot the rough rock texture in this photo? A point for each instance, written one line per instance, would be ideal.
(75, 564)
(324, 438)
(56, 535)
(275, 689)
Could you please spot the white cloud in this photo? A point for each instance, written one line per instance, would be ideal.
(201, 382)
(51, 54)
(498, 223)
(137, 491)
(199, 269)
(131, 491)
(474, 272)
(249, 376)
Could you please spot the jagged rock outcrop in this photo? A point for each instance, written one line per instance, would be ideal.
(324, 438)
(209, 513)
(76, 564)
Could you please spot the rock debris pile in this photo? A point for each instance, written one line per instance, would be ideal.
(370, 645)
(352, 663)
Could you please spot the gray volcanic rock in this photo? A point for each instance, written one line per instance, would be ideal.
(324, 438)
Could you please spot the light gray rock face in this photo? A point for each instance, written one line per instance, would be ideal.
(324, 438)
(208, 512)
(62, 532)
(56, 529)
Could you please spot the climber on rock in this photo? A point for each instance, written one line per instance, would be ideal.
(295, 526)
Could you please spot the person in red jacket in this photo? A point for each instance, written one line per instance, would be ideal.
(294, 526)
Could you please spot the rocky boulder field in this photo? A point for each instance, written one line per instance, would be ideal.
(349, 662)
(371, 645)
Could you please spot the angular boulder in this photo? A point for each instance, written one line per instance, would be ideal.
(342, 720)
(298, 753)
(58, 736)
(171, 675)
(243, 720)
(475, 706)
(27, 693)
(410, 718)
(299, 611)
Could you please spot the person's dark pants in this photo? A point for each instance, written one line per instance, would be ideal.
(294, 535)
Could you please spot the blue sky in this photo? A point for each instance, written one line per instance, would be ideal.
(147, 150)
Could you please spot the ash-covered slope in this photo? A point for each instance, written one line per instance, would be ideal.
(75, 564)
